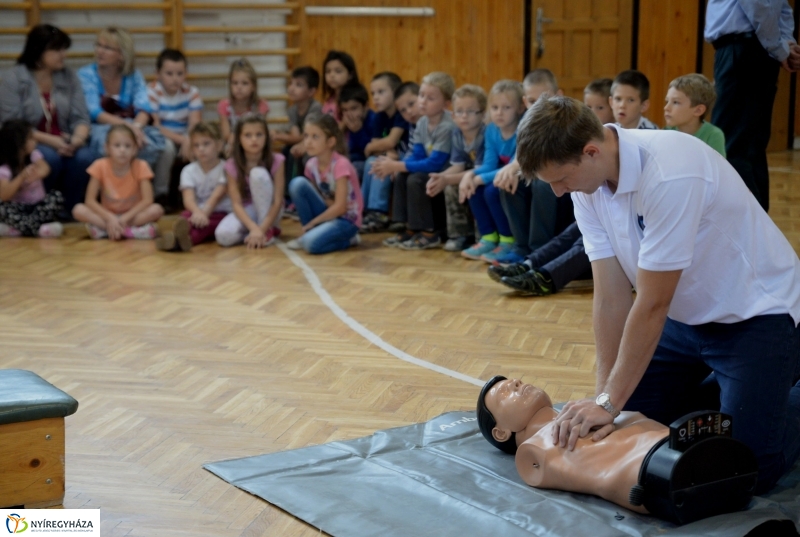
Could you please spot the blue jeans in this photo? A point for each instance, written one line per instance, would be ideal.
(149, 152)
(68, 174)
(326, 237)
(532, 214)
(488, 211)
(756, 366)
(376, 190)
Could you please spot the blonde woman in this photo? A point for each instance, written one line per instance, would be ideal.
(116, 93)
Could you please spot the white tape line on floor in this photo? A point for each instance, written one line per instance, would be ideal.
(359, 328)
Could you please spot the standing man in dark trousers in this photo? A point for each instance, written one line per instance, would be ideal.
(752, 39)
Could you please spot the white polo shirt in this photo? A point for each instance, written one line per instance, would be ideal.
(680, 206)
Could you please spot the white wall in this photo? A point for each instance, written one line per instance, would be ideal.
(129, 19)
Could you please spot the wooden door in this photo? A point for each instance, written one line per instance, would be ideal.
(581, 40)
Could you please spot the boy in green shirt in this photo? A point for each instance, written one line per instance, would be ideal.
(688, 99)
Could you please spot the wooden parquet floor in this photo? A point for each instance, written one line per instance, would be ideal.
(182, 359)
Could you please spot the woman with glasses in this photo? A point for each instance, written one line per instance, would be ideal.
(116, 93)
(45, 93)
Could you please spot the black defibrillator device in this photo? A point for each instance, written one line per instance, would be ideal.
(697, 471)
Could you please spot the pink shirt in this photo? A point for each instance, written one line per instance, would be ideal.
(325, 180)
(224, 109)
(277, 162)
(331, 108)
(30, 193)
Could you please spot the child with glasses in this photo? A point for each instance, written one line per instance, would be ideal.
(469, 107)
(506, 107)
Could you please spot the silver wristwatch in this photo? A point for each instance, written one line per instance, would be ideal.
(604, 400)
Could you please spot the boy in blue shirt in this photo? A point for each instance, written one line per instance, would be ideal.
(390, 134)
(358, 120)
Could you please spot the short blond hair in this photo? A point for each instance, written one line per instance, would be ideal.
(540, 77)
(471, 90)
(508, 86)
(443, 81)
(698, 88)
(554, 131)
(124, 41)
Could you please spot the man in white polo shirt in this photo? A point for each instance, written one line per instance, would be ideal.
(714, 323)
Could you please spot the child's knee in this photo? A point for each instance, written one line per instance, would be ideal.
(260, 174)
(80, 211)
(157, 211)
(296, 186)
(225, 237)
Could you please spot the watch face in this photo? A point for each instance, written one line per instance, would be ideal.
(602, 399)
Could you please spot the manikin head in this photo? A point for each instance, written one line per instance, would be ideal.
(506, 407)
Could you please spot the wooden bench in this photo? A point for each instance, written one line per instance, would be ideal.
(32, 413)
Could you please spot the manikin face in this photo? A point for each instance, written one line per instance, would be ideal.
(172, 75)
(241, 86)
(407, 106)
(678, 110)
(382, 94)
(513, 404)
(628, 107)
(253, 139)
(503, 111)
(121, 148)
(600, 106)
(467, 114)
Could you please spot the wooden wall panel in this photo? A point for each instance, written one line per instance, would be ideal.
(667, 47)
(475, 41)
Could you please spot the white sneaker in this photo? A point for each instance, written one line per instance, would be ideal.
(355, 240)
(96, 232)
(145, 232)
(51, 230)
(8, 231)
(294, 244)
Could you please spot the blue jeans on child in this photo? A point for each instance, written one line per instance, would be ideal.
(68, 174)
(376, 190)
(756, 365)
(488, 211)
(327, 237)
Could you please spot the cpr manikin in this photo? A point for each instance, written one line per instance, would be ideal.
(518, 418)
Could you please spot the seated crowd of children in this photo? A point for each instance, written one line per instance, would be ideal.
(431, 163)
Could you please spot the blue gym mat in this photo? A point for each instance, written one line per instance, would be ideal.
(441, 478)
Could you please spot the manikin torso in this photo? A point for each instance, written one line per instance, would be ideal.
(607, 468)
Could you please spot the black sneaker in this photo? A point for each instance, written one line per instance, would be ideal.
(396, 240)
(532, 283)
(498, 272)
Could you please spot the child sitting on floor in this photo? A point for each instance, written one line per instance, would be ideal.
(338, 71)
(469, 107)
(357, 120)
(242, 100)
(204, 193)
(176, 108)
(596, 96)
(630, 99)
(506, 107)
(426, 215)
(122, 183)
(255, 186)
(25, 208)
(688, 99)
(301, 90)
(328, 199)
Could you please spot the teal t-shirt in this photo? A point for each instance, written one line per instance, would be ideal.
(711, 135)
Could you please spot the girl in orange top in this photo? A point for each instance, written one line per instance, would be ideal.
(122, 182)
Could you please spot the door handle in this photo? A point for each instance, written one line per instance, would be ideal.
(541, 20)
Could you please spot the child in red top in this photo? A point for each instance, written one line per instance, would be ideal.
(122, 183)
